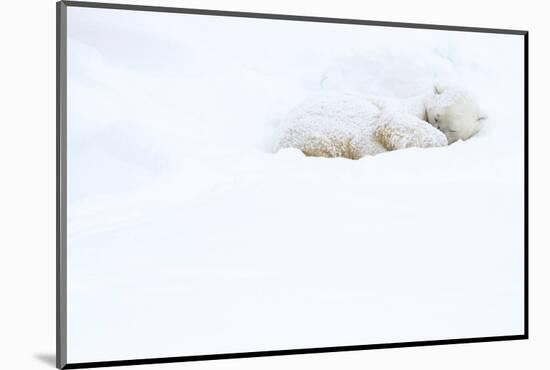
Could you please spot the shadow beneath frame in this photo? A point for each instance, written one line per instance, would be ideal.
(47, 358)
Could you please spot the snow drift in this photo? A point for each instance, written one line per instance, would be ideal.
(187, 235)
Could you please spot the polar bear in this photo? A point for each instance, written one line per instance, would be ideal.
(454, 111)
(353, 126)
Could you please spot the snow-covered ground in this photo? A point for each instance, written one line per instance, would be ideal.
(187, 235)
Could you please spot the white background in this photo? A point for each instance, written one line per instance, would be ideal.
(28, 190)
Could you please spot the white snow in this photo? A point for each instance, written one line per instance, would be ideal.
(187, 235)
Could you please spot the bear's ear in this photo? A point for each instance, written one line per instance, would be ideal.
(438, 89)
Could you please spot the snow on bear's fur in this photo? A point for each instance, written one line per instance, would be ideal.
(353, 126)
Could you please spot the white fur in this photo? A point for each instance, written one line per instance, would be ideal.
(353, 126)
(455, 112)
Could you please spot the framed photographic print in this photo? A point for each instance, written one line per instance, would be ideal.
(238, 184)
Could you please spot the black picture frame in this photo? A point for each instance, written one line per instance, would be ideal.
(61, 186)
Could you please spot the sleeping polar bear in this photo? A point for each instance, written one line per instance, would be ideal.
(353, 126)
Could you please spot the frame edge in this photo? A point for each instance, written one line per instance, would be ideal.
(287, 17)
(304, 351)
(526, 185)
(61, 185)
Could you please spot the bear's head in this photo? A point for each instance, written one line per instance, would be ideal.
(455, 112)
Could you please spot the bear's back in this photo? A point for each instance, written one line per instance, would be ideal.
(331, 125)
